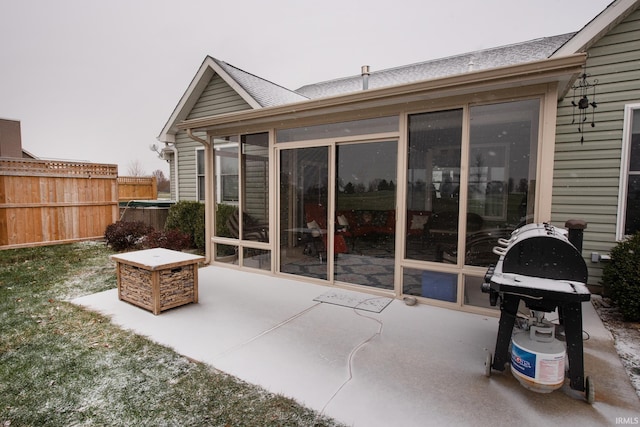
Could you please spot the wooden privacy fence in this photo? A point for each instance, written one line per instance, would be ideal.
(46, 202)
(137, 188)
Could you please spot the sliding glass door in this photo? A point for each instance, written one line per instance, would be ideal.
(304, 185)
(365, 201)
(346, 230)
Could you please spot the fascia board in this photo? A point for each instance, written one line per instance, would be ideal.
(199, 82)
(597, 27)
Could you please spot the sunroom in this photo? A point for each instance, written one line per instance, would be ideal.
(400, 191)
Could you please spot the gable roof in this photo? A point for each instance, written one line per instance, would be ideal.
(261, 93)
(255, 91)
(266, 93)
(459, 64)
(595, 29)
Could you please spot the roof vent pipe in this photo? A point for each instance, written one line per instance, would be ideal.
(365, 77)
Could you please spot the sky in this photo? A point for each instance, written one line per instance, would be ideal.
(97, 80)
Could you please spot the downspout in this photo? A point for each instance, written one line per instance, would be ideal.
(208, 207)
(197, 138)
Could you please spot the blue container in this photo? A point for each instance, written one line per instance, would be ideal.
(440, 286)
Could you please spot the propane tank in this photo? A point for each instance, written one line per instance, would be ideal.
(538, 358)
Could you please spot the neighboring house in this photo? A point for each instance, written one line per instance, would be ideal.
(11, 140)
(400, 181)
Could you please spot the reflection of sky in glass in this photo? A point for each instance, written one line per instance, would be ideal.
(366, 163)
(511, 126)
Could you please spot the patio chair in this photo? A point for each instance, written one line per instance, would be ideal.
(315, 216)
(251, 229)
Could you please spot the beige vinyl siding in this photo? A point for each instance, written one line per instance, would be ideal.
(586, 176)
(217, 98)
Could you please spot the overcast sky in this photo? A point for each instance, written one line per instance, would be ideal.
(97, 80)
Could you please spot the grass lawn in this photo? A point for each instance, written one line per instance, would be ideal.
(61, 365)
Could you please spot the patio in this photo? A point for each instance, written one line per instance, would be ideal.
(407, 365)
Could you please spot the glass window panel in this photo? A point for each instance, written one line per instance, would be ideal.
(303, 211)
(200, 162)
(227, 191)
(226, 221)
(430, 284)
(200, 174)
(336, 130)
(634, 153)
(227, 254)
(201, 194)
(502, 170)
(227, 161)
(435, 141)
(632, 201)
(229, 165)
(364, 238)
(632, 223)
(256, 258)
(229, 184)
(473, 294)
(255, 184)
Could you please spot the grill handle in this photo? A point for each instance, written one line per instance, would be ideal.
(499, 251)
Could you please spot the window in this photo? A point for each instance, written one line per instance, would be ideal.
(243, 158)
(629, 200)
(200, 174)
(337, 130)
(226, 173)
(491, 196)
(503, 143)
(435, 143)
(226, 154)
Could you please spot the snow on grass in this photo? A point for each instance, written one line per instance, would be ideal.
(63, 365)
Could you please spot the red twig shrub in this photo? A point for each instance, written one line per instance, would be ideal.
(169, 239)
(126, 235)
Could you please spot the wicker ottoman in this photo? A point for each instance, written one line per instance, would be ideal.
(157, 279)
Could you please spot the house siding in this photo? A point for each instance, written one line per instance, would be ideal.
(257, 200)
(217, 98)
(587, 175)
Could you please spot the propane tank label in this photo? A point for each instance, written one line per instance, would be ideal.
(552, 370)
(523, 361)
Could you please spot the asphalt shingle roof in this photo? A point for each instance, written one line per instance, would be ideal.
(266, 93)
(473, 61)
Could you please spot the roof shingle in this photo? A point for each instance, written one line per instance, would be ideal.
(266, 93)
(473, 61)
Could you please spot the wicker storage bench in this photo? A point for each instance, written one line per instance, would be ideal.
(157, 279)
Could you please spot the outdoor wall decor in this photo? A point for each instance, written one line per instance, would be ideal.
(580, 90)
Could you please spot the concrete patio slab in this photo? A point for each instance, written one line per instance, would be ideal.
(407, 365)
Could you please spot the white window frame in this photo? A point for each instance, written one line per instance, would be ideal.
(218, 173)
(627, 131)
(199, 151)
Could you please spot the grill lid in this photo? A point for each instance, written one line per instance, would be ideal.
(542, 251)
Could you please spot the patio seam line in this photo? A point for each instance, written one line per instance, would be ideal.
(263, 333)
(352, 354)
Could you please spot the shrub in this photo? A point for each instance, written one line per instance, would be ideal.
(170, 239)
(188, 217)
(126, 235)
(621, 277)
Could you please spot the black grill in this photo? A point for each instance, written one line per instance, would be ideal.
(539, 266)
